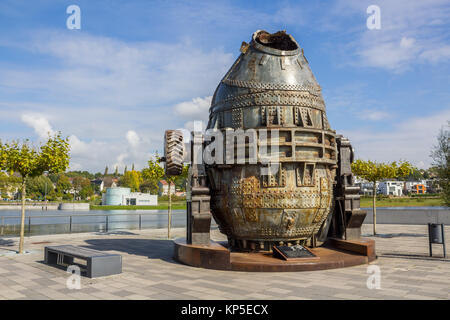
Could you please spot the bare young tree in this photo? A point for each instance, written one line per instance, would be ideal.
(441, 156)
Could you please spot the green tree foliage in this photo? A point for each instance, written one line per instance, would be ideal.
(31, 161)
(374, 172)
(441, 158)
(82, 187)
(416, 175)
(4, 185)
(8, 184)
(148, 187)
(54, 177)
(83, 174)
(98, 175)
(40, 188)
(151, 176)
(86, 192)
(63, 185)
(131, 179)
(180, 181)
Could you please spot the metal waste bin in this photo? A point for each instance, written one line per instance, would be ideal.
(436, 235)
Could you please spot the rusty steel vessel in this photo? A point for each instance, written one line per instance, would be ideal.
(271, 101)
(271, 87)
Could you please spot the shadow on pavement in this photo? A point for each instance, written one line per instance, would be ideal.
(6, 242)
(116, 233)
(413, 256)
(151, 248)
(395, 235)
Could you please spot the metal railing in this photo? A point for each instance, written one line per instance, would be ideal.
(70, 220)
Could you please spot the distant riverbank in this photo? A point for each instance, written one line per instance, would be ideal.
(163, 205)
(365, 202)
(181, 205)
(403, 202)
(29, 207)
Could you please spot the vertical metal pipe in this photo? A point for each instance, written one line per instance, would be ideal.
(3, 224)
(70, 225)
(140, 222)
(29, 226)
(169, 213)
(107, 223)
(429, 239)
(443, 239)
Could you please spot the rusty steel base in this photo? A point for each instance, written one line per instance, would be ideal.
(335, 253)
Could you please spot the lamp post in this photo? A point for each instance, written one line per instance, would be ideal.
(169, 213)
(45, 196)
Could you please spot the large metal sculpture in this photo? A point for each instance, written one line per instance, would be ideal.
(270, 96)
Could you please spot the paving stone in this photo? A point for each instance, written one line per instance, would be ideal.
(149, 272)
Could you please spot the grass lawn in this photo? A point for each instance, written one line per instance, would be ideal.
(403, 202)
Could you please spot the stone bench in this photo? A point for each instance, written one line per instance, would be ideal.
(98, 263)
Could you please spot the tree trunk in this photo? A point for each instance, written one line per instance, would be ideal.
(374, 209)
(22, 219)
(169, 214)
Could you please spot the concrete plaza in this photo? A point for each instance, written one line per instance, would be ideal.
(149, 272)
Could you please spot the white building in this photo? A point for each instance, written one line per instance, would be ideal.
(366, 188)
(124, 197)
(141, 199)
(98, 182)
(164, 188)
(391, 188)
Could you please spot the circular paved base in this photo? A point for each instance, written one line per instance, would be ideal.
(336, 254)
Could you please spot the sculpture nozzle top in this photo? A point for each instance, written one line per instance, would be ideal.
(279, 43)
(279, 40)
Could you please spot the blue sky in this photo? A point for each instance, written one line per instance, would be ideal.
(137, 68)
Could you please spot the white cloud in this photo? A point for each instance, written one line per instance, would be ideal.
(104, 71)
(96, 88)
(412, 32)
(387, 52)
(407, 42)
(133, 138)
(93, 154)
(410, 139)
(196, 125)
(373, 115)
(120, 161)
(196, 109)
(78, 147)
(355, 99)
(39, 123)
(436, 55)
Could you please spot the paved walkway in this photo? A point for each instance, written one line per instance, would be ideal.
(149, 272)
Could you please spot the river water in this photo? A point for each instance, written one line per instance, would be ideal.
(39, 222)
